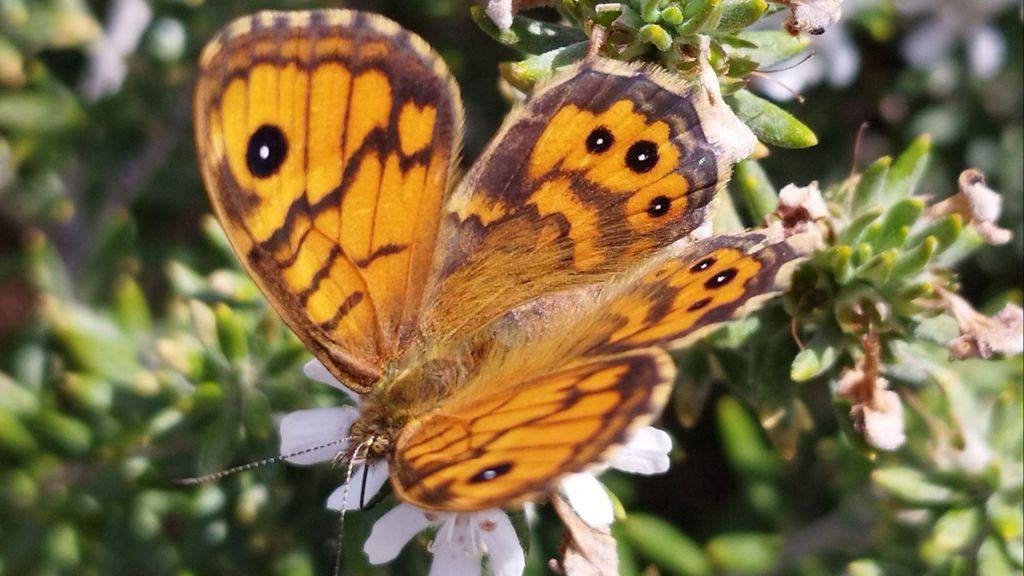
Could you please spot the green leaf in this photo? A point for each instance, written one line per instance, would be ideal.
(231, 333)
(855, 229)
(89, 391)
(768, 46)
(953, 530)
(751, 553)
(130, 309)
(93, 341)
(52, 109)
(759, 196)
(16, 398)
(71, 436)
(906, 171)
(743, 441)
(62, 546)
(771, 124)
(256, 413)
(650, 11)
(842, 263)
(944, 230)
(541, 66)
(892, 229)
(699, 15)
(672, 16)
(911, 486)
(656, 35)
(738, 14)
(992, 559)
(114, 255)
(15, 439)
(870, 184)
(878, 269)
(528, 35)
(914, 260)
(818, 356)
(664, 545)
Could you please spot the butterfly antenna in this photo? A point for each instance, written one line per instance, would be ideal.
(356, 456)
(197, 480)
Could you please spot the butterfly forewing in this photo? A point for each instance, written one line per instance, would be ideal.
(597, 170)
(326, 140)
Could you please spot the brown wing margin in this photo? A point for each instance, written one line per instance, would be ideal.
(326, 141)
(516, 439)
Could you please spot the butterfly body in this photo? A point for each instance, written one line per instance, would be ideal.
(502, 330)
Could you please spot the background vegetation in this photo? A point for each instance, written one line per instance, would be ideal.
(133, 351)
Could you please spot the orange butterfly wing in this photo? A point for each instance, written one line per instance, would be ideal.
(560, 398)
(326, 141)
(598, 169)
(681, 295)
(509, 436)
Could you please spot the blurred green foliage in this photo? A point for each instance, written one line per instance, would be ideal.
(133, 351)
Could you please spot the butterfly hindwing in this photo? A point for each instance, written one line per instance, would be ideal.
(509, 436)
(326, 140)
(681, 295)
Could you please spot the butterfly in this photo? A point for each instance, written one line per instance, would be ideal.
(504, 328)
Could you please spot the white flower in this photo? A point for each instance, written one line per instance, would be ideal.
(500, 12)
(106, 70)
(319, 435)
(877, 412)
(979, 206)
(942, 23)
(729, 136)
(834, 60)
(813, 16)
(645, 453)
(463, 539)
(982, 336)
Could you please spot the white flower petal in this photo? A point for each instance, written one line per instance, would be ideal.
(645, 453)
(505, 555)
(376, 476)
(500, 12)
(883, 421)
(587, 497)
(926, 44)
(986, 50)
(731, 139)
(453, 561)
(314, 370)
(394, 529)
(306, 429)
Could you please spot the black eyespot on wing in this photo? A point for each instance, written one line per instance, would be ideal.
(703, 264)
(659, 206)
(266, 151)
(720, 279)
(702, 303)
(599, 140)
(491, 472)
(642, 156)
